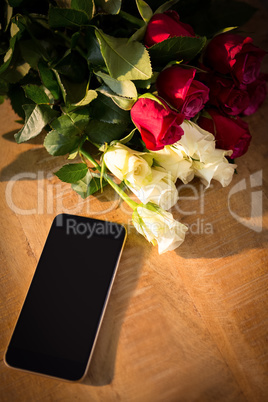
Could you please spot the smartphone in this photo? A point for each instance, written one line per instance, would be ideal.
(60, 319)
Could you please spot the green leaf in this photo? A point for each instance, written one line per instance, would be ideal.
(228, 29)
(74, 40)
(99, 132)
(72, 172)
(64, 138)
(110, 6)
(16, 71)
(74, 91)
(139, 34)
(89, 185)
(146, 84)
(30, 52)
(36, 118)
(17, 25)
(128, 137)
(80, 117)
(148, 95)
(104, 109)
(57, 143)
(166, 6)
(66, 17)
(72, 66)
(125, 60)
(144, 10)
(36, 94)
(93, 55)
(60, 84)
(177, 48)
(90, 95)
(16, 29)
(49, 80)
(84, 5)
(17, 98)
(73, 155)
(124, 88)
(65, 124)
(8, 57)
(122, 103)
(43, 38)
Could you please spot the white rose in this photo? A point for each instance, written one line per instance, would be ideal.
(160, 190)
(224, 173)
(159, 227)
(174, 161)
(126, 163)
(220, 170)
(195, 142)
(207, 162)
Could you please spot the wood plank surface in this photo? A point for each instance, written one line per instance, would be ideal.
(189, 325)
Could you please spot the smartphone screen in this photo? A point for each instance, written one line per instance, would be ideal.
(59, 321)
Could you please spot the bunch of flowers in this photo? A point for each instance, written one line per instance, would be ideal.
(159, 90)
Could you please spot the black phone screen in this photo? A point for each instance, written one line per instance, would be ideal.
(59, 321)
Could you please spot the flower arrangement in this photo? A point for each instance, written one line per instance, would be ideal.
(159, 89)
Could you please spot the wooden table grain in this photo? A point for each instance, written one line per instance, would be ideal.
(189, 325)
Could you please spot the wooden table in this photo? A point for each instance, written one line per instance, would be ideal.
(189, 325)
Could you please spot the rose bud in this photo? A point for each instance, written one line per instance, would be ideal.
(164, 26)
(234, 54)
(158, 124)
(177, 86)
(230, 133)
(257, 91)
(225, 95)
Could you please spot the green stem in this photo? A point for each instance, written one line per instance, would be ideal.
(119, 191)
(131, 18)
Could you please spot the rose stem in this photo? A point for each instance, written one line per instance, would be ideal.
(119, 191)
(131, 18)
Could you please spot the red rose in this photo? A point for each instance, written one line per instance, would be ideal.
(234, 54)
(158, 124)
(230, 133)
(226, 95)
(257, 93)
(164, 26)
(177, 86)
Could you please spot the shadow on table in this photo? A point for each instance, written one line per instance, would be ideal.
(30, 161)
(223, 221)
(34, 160)
(39, 139)
(102, 365)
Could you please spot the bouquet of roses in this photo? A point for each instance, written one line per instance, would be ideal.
(158, 89)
